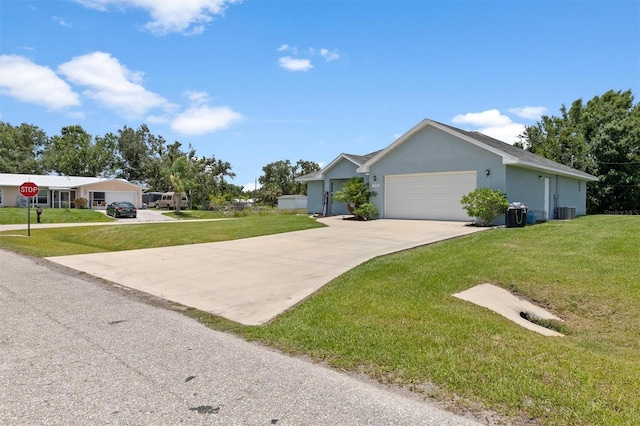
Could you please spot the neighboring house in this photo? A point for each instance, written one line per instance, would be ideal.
(61, 191)
(425, 172)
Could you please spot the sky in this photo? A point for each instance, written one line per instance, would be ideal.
(257, 81)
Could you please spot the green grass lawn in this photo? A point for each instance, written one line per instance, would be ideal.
(394, 319)
(17, 215)
(46, 242)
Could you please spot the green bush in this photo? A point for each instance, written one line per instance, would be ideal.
(81, 203)
(365, 211)
(485, 204)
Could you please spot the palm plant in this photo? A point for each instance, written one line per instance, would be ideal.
(353, 193)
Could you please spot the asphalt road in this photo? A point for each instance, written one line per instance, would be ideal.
(76, 351)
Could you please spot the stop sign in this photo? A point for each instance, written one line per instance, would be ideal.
(29, 189)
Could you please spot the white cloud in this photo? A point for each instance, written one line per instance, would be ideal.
(508, 133)
(203, 119)
(329, 55)
(61, 21)
(492, 123)
(528, 112)
(300, 60)
(292, 64)
(111, 84)
(168, 16)
(31, 83)
(491, 117)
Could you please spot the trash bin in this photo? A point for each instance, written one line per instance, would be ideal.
(516, 215)
(531, 217)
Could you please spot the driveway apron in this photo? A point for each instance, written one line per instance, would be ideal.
(252, 280)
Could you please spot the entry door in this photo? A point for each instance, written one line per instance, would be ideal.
(546, 198)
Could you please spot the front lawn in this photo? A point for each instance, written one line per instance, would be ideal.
(394, 319)
(18, 215)
(45, 242)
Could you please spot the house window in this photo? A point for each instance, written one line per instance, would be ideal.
(0, 196)
(42, 199)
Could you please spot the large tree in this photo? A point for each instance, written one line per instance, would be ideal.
(279, 178)
(73, 153)
(601, 138)
(21, 148)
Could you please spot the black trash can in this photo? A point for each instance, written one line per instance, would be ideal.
(516, 217)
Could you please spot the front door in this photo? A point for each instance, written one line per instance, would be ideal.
(546, 198)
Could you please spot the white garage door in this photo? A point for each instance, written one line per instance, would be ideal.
(434, 196)
(112, 196)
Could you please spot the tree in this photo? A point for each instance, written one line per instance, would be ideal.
(21, 148)
(302, 168)
(601, 138)
(485, 204)
(354, 193)
(279, 178)
(74, 154)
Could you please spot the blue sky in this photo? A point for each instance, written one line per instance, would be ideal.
(256, 81)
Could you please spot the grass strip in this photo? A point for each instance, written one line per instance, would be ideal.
(45, 242)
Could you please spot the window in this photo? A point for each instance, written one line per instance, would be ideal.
(42, 199)
(0, 196)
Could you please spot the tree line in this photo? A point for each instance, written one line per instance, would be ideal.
(138, 156)
(602, 138)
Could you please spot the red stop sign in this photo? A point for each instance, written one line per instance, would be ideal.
(29, 189)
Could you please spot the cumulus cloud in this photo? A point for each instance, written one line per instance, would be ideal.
(491, 123)
(492, 118)
(169, 16)
(329, 55)
(202, 118)
(111, 84)
(528, 112)
(292, 64)
(28, 82)
(300, 60)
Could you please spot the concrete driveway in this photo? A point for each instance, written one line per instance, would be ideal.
(250, 281)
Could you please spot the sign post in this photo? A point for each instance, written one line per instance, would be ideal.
(29, 190)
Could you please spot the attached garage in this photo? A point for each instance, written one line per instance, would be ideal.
(434, 196)
(130, 196)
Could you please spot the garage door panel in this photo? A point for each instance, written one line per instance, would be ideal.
(434, 196)
(112, 196)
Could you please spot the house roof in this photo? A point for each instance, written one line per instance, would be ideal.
(511, 155)
(48, 181)
(358, 160)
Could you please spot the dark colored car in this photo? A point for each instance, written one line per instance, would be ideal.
(122, 209)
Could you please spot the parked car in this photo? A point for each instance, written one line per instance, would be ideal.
(168, 201)
(122, 209)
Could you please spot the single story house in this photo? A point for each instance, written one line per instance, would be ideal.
(424, 173)
(61, 191)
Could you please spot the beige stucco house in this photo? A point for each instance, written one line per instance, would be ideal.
(61, 191)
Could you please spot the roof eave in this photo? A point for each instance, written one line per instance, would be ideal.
(573, 174)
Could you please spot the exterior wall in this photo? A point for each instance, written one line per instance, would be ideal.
(9, 196)
(527, 186)
(572, 193)
(292, 202)
(111, 186)
(315, 190)
(432, 150)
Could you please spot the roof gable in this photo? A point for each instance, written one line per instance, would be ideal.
(510, 154)
(357, 160)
